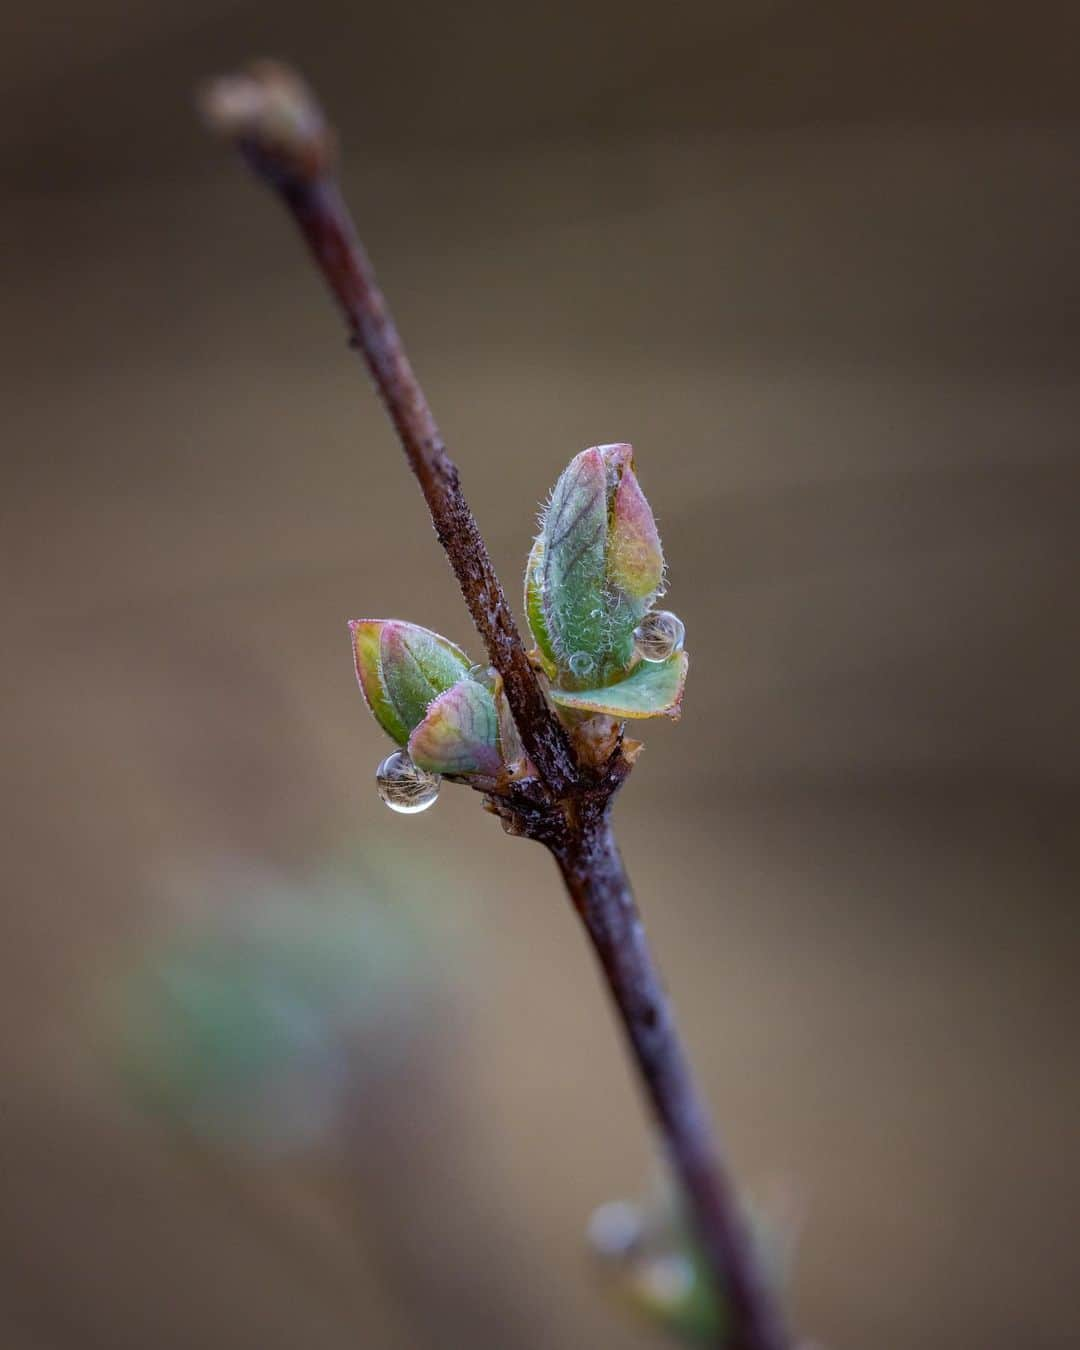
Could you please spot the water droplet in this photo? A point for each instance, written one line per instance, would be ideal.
(403, 786)
(581, 664)
(485, 675)
(659, 635)
(616, 1229)
(668, 1279)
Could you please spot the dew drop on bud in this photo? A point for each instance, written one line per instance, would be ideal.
(659, 635)
(403, 786)
(616, 1229)
(581, 664)
(667, 1279)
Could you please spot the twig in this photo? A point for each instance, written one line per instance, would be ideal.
(280, 130)
(596, 879)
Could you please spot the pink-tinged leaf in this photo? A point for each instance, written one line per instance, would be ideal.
(594, 571)
(650, 690)
(402, 668)
(367, 644)
(617, 457)
(635, 563)
(460, 734)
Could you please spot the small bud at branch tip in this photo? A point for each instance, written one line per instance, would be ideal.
(273, 116)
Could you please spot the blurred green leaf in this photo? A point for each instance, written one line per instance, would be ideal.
(249, 1023)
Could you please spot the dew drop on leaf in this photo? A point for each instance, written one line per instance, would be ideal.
(403, 786)
(659, 635)
(581, 663)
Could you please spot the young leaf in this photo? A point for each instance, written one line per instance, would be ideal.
(402, 669)
(652, 689)
(534, 609)
(460, 734)
(594, 571)
(635, 558)
(572, 559)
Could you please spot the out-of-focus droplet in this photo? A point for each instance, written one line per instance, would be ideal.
(581, 664)
(403, 786)
(616, 1229)
(659, 635)
(666, 1280)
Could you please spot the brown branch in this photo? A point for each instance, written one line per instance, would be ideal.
(596, 879)
(281, 132)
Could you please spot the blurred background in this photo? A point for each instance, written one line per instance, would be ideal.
(281, 1069)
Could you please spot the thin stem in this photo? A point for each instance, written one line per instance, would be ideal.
(596, 879)
(283, 135)
(281, 132)
(325, 223)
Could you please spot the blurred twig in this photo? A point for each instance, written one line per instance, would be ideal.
(281, 131)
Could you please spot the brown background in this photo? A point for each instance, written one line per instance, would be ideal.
(820, 264)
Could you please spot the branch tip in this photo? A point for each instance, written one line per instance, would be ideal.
(271, 114)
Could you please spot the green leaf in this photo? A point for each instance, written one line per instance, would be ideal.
(534, 608)
(594, 571)
(650, 690)
(460, 734)
(572, 561)
(402, 669)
